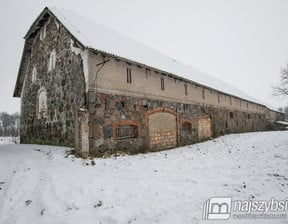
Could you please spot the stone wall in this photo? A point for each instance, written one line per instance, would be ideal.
(271, 117)
(126, 93)
(55, 69)
(193, 123)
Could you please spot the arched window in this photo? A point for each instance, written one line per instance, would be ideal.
(231, 114)
(43, 32)
(52, 61)
(34, 74)
(42, 103)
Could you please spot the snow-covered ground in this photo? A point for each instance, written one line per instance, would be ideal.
(41, 184)
(9, 140)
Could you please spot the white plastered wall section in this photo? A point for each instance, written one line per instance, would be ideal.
(108, 75)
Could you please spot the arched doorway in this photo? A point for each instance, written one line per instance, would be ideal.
(162, 129)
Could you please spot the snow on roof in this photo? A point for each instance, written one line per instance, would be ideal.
(282, 122)
(98, 37)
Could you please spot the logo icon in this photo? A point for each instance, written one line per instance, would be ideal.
(217, 208)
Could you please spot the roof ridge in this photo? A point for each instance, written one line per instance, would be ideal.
(110, 41)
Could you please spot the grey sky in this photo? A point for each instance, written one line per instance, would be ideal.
(243, 42)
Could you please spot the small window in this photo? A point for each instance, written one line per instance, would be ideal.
(186, 89)
(203, 94)
(186, 108)
(248, 116)
(52, 61)
(43, 32)
(231, 114)
(247, 105)
(230, 99)
(186, 127)
(127, 132)
(162, 84)
(129, 77)
(42, 103)
(218, 98)
(148, 72)
(34, 74)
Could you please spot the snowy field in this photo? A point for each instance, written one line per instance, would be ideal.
(9, 140)
(41, 184)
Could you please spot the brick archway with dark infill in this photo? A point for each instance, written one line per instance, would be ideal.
(162, 128)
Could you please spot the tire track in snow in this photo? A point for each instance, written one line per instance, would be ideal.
(28, 186)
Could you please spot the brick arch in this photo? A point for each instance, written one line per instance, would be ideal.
(161, 109)
(162, 128)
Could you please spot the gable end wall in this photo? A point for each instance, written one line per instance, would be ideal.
(65, 86)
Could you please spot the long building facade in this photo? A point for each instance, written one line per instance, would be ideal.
(100, 101)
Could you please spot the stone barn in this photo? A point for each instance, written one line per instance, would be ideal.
(89, 87)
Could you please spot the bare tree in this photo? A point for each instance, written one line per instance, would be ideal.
(286, 112)
(9, 124)
(282, 88)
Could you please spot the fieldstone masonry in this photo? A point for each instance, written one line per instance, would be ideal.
(159, 124)
(65, 86)
(102, 104)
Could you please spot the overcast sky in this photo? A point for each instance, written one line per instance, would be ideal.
(243, 42)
